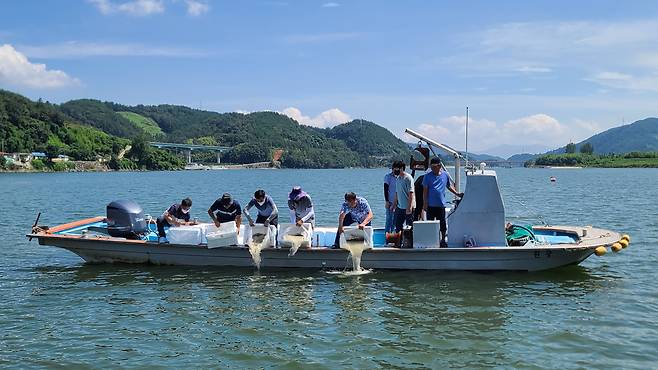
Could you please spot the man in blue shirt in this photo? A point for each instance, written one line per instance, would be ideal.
(389, 196)
(175, 215)
(434, 188)
(354, 210)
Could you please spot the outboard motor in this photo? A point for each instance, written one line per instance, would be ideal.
(125, 219)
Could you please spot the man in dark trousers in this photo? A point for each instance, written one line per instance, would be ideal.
(226, 209)
(175, 215)
(435, 184)
(420, 199)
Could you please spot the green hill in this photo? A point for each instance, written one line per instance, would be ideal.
(100, 115)
(522, 157)
(374, 144)
(27, 126)
(253, 136)
(639, 136)
(147, 125)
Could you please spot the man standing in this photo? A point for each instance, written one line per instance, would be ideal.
(354, 210)
(404, 196)
(226, 209)
(434, 188)
(389, 196)
(420, 199)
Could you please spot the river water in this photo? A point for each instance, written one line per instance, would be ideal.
(57, 311)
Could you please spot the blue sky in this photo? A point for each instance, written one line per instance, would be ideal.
(534, 74)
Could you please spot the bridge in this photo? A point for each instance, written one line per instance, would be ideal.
(499, 163)
(188, 148)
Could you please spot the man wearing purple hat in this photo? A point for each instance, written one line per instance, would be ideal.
(301, 207)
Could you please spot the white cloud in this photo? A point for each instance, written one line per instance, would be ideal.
(537, 124)
(582, 48)
(17, 70)
(327, 118)
(135, 7)
(320, 37)
(554, 39)
(452, 131)
(626, 81)
(535, 131)
(75, 49)
(529, 69)
(330, 5)
(103, 6)
(196, 8)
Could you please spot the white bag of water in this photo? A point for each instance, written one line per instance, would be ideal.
(295, 237)
(356, 241)
(258, 237)
(259, 233)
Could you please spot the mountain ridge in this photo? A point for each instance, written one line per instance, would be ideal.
(253, 136)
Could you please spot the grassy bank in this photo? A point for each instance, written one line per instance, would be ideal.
(627, 160)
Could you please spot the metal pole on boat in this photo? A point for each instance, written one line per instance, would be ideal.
(457, 172)
(36, 222)
(466, 137)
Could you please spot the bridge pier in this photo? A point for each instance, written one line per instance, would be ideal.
(187, 149)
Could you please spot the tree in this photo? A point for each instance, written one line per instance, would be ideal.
(139, 148)
(587, 148)
(571, 148)
(38, 164)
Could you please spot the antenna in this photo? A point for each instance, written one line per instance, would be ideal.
(466, 166)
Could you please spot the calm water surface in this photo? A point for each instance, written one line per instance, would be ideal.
(56, 311)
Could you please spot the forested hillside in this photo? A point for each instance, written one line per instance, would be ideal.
(253, 136)
(27, 126)
(639, 136)
(89, 129)
(374, 144)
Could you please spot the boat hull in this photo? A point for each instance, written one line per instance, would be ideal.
(483, 259)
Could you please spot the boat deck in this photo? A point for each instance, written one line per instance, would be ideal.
(323, 237)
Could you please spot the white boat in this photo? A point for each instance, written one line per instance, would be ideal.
(476, 241)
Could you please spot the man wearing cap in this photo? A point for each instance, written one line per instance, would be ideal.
(301, 207)
(226, 209)
(434, 188)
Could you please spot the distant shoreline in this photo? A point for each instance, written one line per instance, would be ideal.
(230, 168)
